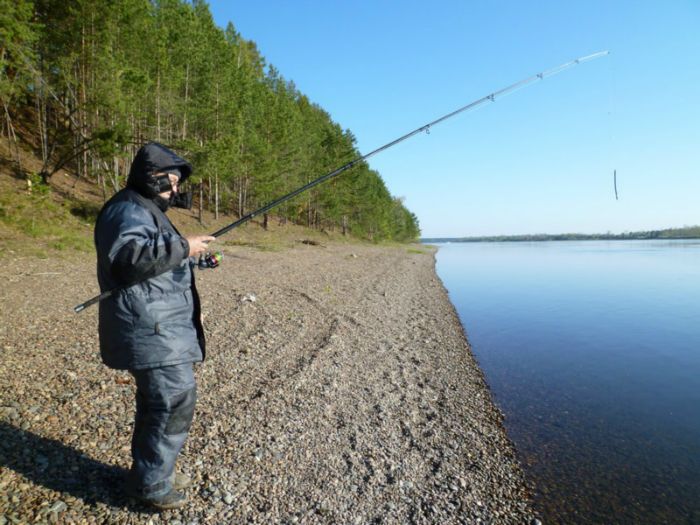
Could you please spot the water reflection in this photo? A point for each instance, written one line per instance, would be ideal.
(592, 350)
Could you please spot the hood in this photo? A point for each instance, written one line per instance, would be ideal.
(153, 158)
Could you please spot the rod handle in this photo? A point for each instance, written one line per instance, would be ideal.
(92, 301)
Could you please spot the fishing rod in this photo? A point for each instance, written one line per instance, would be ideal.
(426, 127)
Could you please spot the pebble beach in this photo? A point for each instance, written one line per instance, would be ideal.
(338, 387)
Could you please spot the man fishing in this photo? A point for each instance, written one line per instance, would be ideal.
(151, 325)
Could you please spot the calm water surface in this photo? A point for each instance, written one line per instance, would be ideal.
(592, 351)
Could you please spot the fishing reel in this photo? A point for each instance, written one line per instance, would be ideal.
(210, 260)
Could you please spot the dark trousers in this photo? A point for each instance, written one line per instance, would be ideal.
(165, 401)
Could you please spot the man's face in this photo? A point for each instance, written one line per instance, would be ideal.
(173, 182)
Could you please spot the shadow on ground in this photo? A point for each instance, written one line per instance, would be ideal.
(50, 463)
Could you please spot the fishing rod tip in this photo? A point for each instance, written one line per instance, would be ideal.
(592, 56)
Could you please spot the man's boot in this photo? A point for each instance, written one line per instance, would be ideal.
(172, 500)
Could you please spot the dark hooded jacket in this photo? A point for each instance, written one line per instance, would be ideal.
(153, 320)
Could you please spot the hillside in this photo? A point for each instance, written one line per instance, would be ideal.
(57, 219)
(85, 84)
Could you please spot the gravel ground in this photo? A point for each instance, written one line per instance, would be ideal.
(345, 392)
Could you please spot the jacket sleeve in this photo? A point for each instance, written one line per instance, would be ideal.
(136, 249)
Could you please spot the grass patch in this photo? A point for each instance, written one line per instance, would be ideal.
(52, 226)
(415, 250)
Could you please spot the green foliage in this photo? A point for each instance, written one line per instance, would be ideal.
(107, 76)
(38, 185)
(17, 37)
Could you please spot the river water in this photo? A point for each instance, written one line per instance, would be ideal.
(592, 351)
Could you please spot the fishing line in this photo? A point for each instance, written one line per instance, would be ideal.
(611, 123)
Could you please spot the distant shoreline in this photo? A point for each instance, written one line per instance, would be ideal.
(532, 239)
(692, 232)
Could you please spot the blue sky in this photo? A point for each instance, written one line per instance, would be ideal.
(539, 160)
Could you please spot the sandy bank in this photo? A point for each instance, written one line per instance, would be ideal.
(345, 393)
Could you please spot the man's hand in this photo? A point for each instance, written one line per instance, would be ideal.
(198, 244)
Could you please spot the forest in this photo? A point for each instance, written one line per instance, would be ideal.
(94, 80)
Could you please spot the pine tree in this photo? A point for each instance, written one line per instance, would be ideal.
(105, 76)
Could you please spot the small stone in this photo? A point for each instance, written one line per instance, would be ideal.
(58, 507)
(249, 297)
(228, 498)
(10, 412)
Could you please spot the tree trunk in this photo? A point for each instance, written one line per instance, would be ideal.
(216, 196)
(11, 134)
(216, 129)
(42, 124)
(116, 173)
(201, 202)
(187, 91)
(158, 106)
(240, 197)
(308, 211)
(83, 103)
(245, 195)
(209, 191)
